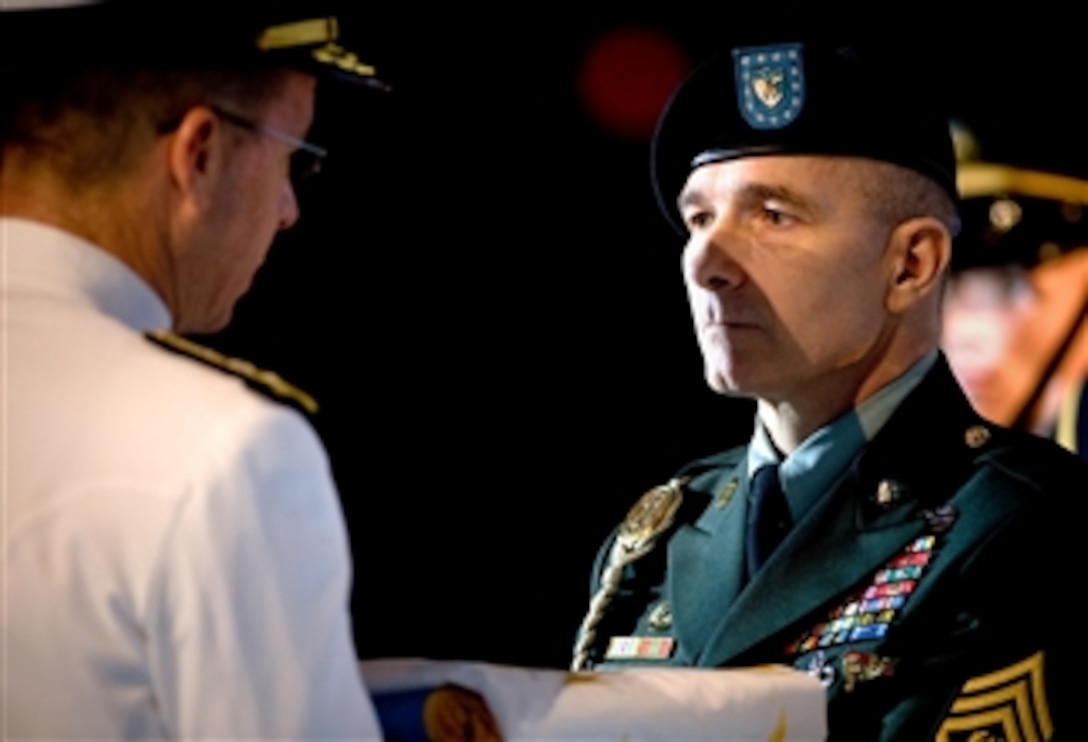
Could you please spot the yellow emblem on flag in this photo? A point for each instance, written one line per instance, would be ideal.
(781, 729)
(452, 713)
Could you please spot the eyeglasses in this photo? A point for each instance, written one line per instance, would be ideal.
(306, 158)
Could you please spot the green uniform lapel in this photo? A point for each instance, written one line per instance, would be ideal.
(827, 553)
(706, 563)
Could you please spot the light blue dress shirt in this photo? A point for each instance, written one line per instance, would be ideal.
(821, 458)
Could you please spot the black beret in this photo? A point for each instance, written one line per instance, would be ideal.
(801, 97)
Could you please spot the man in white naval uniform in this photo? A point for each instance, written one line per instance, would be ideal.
(175, 561)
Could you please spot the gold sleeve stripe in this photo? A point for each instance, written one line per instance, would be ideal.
(300, 33)
(1012, 699)
(781, 730)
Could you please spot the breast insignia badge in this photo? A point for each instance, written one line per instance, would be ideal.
(860, 667)
(820, 668)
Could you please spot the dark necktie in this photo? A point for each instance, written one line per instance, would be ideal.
(768, 517)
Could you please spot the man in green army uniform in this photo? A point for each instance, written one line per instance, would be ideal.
(875, 532)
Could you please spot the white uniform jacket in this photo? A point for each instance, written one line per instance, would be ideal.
(175, 560)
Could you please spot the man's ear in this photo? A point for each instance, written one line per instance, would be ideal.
(918, 250)
(196, 157)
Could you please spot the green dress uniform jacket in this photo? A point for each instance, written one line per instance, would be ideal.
(931, 588)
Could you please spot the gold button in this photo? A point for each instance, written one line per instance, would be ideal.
(977, 436)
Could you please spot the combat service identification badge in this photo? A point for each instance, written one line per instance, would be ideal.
(770, 84)
(1009, 704)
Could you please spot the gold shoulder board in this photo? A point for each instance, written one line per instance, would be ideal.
(265, 381)
(1007, 704)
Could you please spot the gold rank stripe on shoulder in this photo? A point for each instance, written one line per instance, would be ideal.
(1009, 704)
(300, 33)
(266, 379)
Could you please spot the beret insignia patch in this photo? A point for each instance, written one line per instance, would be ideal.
(770, 84)
(1004, 705)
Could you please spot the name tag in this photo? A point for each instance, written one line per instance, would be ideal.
(640, 648)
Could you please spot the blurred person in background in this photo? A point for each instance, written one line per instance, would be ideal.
(1014, 307)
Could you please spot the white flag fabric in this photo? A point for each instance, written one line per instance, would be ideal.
(761, 704)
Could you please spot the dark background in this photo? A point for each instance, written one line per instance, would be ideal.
(483, 298)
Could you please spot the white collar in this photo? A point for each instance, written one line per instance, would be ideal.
(42, 258)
